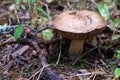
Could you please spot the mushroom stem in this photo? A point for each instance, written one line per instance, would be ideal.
(92, 41)
(76, 47)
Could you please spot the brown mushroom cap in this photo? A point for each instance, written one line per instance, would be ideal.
(79, 24)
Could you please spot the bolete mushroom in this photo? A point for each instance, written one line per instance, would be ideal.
(79, 26)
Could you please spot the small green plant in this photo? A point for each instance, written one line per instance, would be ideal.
(117, 69)
(17, 1)
(31, 1)
(44, 12)
(117, 72)
(115, 27)
(118, 54)
(47, 34)
(104, 11)
(45, 15)
(18, 32)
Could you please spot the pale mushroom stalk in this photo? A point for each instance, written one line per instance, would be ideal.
(76, 47)
(92, 41)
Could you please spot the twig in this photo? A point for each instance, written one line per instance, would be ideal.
(79, 57)
(42, 53)
(94, 76)
(42, 56)
(59, 52)
(48, 11)
(45, 27)
(39, 71)
(11, 39)
(48, 74)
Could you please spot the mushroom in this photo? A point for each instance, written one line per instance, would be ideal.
(79, 26)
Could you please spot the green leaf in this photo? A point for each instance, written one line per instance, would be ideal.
(117, 22)
(31, 1)
(118, 51)
(23, 7)
(117, 72)
(103, 11)
(118, 54)
(47, 34)
(44, 12)
(74, 0)
(17, 1)
(18, 32)
(115, 36)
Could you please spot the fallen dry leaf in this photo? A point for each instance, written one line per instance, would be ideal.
(20, 51)
(21, 79)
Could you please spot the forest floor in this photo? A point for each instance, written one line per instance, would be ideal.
(33, 58)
